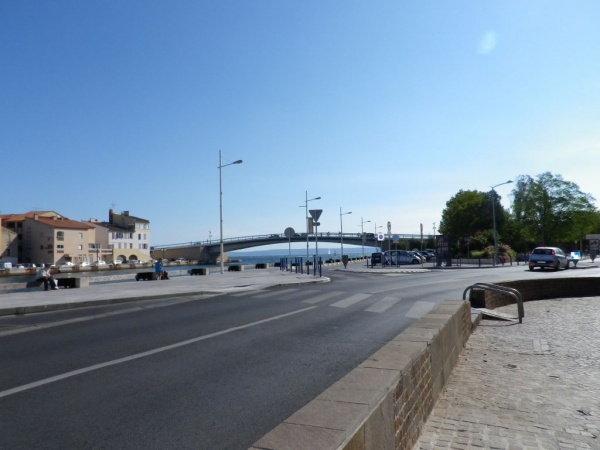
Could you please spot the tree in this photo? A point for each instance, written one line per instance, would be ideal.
(550, 210)
(469, 215)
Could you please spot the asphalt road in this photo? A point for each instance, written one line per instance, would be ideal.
(211, 372)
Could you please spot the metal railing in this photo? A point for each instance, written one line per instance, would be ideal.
(502, 290)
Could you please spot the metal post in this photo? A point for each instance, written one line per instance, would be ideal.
(221, 165)
(342, 231)
(306, 200)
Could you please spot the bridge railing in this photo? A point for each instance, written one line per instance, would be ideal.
(279, 236)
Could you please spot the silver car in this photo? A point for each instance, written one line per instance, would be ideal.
(548, 257)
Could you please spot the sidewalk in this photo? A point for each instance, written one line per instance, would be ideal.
(534, 385)
(38, 300)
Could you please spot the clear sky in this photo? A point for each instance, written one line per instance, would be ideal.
(386, 109)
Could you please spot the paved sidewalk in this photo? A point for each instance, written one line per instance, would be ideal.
(37, 300)
(534, 385)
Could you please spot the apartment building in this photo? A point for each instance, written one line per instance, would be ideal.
(129, 236)
(8, 245)
(48, 237)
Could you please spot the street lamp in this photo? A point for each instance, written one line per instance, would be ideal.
(342, 231)
(221, 165)
(362, 233)
(494, 219)
(306, 200)
(376, 234)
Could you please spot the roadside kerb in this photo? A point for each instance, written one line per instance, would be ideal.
(384, 402)
(129, 291)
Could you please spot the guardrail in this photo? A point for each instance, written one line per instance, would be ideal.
(503, 290)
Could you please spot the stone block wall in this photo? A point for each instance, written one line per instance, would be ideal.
(538, 289)
(384, 403)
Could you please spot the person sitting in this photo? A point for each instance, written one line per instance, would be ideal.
(46, 277)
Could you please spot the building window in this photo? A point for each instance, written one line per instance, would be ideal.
(60, 246)
(60, 235)
(80, 247)
(80, 235)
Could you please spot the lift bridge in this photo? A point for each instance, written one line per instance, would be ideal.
(209, 252)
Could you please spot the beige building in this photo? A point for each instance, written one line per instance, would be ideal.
(48, 237)
(128, 236)
(9, 250)
(58, 240)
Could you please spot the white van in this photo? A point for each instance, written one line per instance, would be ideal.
(5, 265)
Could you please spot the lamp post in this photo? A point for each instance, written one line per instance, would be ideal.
(342, 231)
(494, 219)
(221, 165)
(306, 200)
(362, 234)
(377, 228)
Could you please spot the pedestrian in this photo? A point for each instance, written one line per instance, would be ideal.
(46, 277)
(158, 268)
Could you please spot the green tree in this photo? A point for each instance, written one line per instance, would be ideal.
(469, 215)
(550, 210)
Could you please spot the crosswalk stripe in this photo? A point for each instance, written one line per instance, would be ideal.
(272, 294)
(350, 300)
(300, 293)
(383, 305)
(322, 297)
(419, 309)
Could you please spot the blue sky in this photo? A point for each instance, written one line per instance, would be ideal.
(386, 109)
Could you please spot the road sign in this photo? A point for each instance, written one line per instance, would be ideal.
(395, 238)
(380, 237)
(315, 214)
(289, 232)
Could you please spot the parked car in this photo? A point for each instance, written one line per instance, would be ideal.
(397, 257)
(548, 257)
(376, 258)
(29, 266)
(100, 263)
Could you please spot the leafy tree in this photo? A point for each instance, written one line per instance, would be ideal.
(550, 210)
(469, 215)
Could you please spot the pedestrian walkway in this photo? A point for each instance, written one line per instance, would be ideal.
(534, 385)
(38, 300)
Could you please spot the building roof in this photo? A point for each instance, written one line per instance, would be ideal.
(64, 223)
(20, 217)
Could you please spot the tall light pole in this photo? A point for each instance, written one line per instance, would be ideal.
(342, 231)
(376, 234)
(494, 219)
(306, 200)
(221, 165)
(362, 234)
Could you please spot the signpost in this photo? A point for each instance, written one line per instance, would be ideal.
(315, 214)
(289, 233)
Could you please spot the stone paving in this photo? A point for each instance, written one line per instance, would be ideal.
(534, 385)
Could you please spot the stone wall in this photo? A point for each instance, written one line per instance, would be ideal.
(384, 403)
(538, 289)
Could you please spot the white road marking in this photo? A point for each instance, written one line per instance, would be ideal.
(419, 309)
(115, 362)
(350, 300)
(59, 323)
(322, 297)
(273, 294)
(383, 305)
